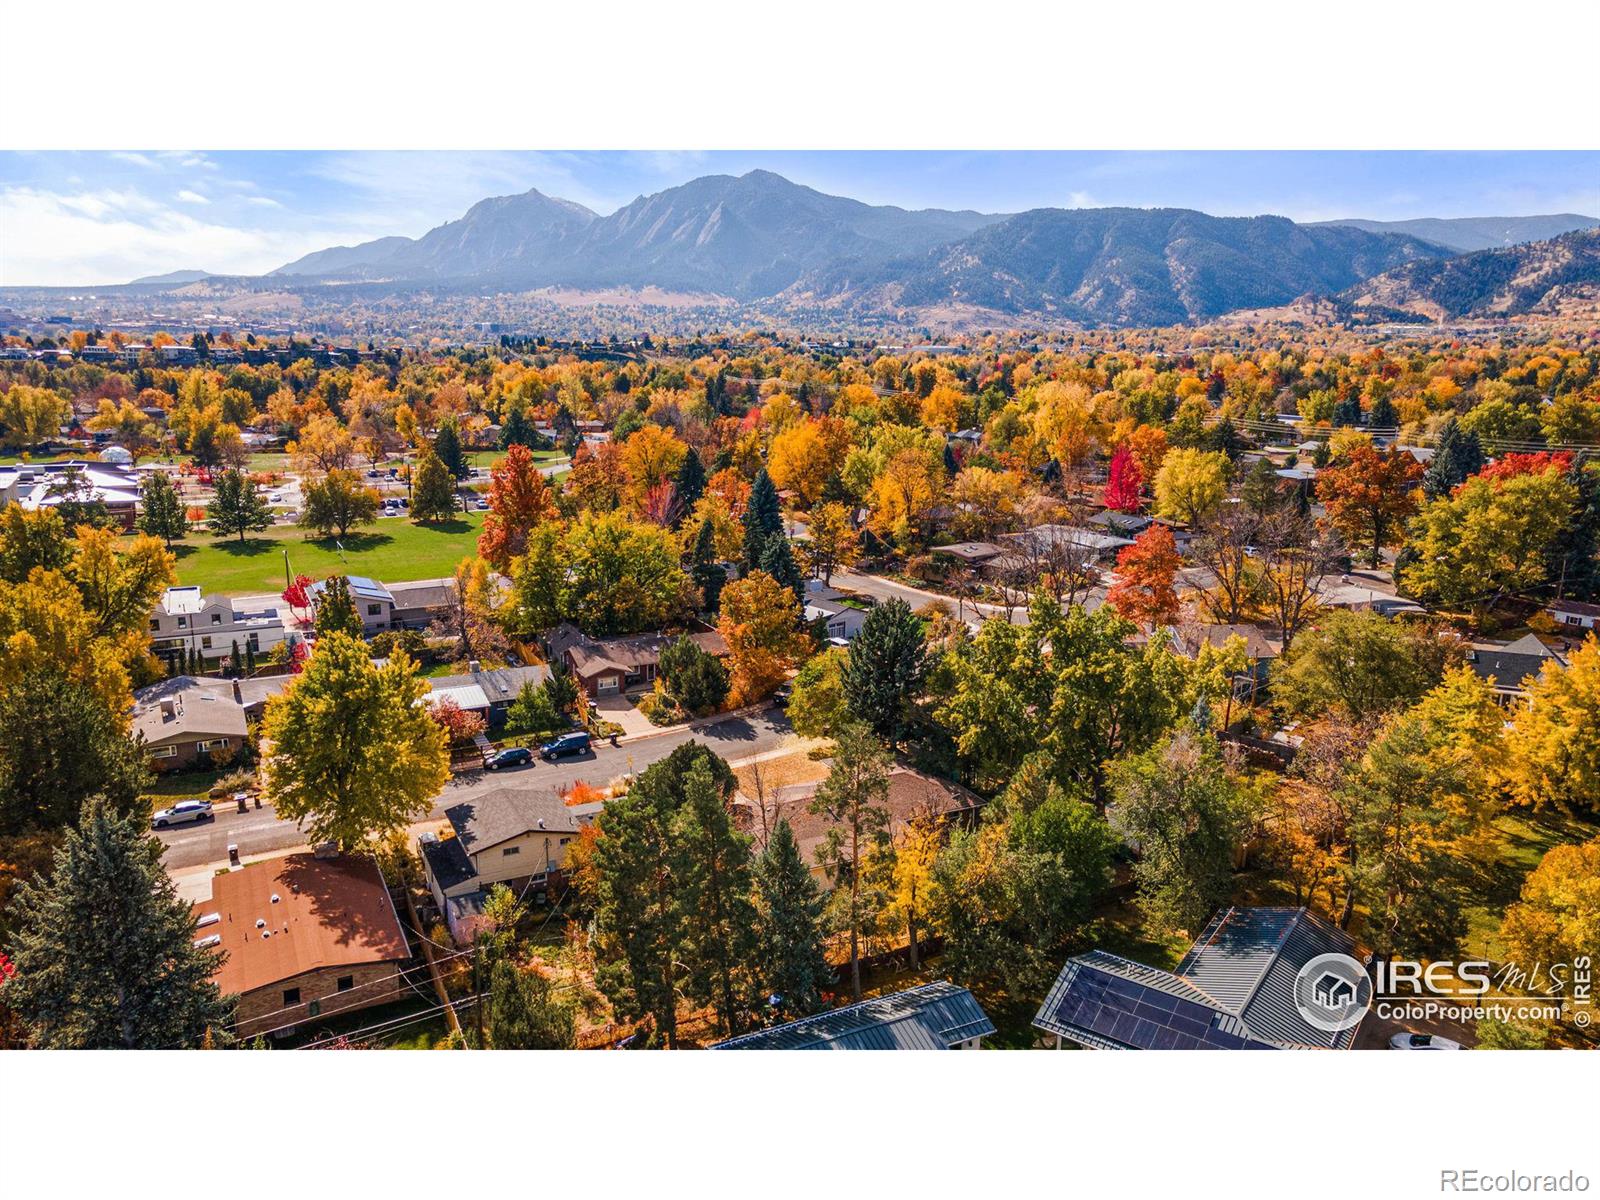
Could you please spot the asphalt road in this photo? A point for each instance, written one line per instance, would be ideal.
(259, 830)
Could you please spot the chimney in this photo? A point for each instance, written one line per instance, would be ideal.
(474, 666)
(238, 695)
(169, 709)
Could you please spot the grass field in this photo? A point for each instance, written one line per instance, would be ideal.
(391, 549)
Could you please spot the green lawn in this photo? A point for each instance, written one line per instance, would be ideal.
(391, 549)
(1526, 837)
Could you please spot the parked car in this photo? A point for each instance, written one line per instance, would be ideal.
(516, 756)
(181, 813)
(480, 504)
(1421, 1041)
(567, 743)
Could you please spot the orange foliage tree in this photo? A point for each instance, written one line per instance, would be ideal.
(519, 499)
(1146, 572)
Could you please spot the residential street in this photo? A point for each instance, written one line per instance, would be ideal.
(260, 831)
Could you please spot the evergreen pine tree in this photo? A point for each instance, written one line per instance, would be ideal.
(763, 518)
(336, 609)
(433, 489)
(1382, 415)
(777, 560)
(236, 661)
(883, 668)
(524, 1012)
(1347, 412)
(447, 445)
(105, 952)
(690, 484)
(163, 514)
(706, 569)
(719, 919)
(1458, 456)
(237, 507)
(249, 660)
(515, 430)
(794, 969)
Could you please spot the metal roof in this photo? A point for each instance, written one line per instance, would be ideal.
(1234, 989)
(935, 1016)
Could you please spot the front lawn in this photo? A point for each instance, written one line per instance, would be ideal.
(389, 550)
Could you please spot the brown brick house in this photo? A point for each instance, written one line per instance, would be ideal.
(611, 666)
(305, 937)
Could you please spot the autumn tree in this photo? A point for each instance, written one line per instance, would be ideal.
(650, 457)
(336, 609)
(1191, 484)
(120, 580)
(1125, 482)
(324, 445)
(336, 502)
(834, 544)
(31, 538)
(1557, 919)
(760, 622)
(1369, 497)
(1488, 539)
(237, 507)
(1361, 664)
(351, 750)
(1554, 743)
(31, 415)
(853, 799)
(1146, 573)
(817, 706)
(162, 513)
(620, 576)
(519, 499)
(106, 954)
(1178, 804)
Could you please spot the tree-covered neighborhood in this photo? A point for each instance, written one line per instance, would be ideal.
(751, 690)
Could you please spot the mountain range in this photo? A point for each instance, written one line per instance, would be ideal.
(759, 239)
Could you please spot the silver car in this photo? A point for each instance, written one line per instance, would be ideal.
(181, 813)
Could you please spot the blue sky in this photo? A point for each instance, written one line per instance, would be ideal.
(86, 217)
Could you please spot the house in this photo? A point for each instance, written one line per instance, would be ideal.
(1128, 525)
(373, 601)
(611, 666)
(934, 1016)
(185, 619)
(971, 554)
(491, 692)
(843, 621)
(1234, 990)
(47, 485)
(1358, 595)
(304, 937)
(1575, 614)
(1508, 666)
(1188, 638)
(1070, 543)
(418, 603)
(912, 795)
(185, 721)
(513, 836)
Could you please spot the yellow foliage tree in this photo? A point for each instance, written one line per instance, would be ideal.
(1553, 749)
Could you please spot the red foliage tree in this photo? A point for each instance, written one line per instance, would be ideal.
(1370, 497)
(1125, 483)
(1509, 466)
(519, 499)
(1146, 573)
(295, 595)
(459, 725)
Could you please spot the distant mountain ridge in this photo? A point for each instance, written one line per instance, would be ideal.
(1467, 234)
(1124, 266)
(760, 239)
(1537, 277)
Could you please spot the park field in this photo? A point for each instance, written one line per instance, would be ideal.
(389, 550)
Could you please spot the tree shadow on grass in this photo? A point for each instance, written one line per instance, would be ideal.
(453, 526)
(353, 543)
(248, 548)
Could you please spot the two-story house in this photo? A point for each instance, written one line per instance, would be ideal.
(185, 619)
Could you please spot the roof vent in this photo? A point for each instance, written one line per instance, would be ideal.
(261, 923)
(208, 919)
(276, 897)
(474, 666)
(541, 822)
(214, 939)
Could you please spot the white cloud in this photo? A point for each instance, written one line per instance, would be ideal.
(1081, 200)
(137, 159)
(78, 239)
(189, 197)
(262, 201)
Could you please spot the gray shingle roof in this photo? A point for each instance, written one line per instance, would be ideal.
(448, 862)
(935, 1016)
(505, 813)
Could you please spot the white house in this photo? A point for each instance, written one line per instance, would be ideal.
(1575, 614)
(185, 619)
